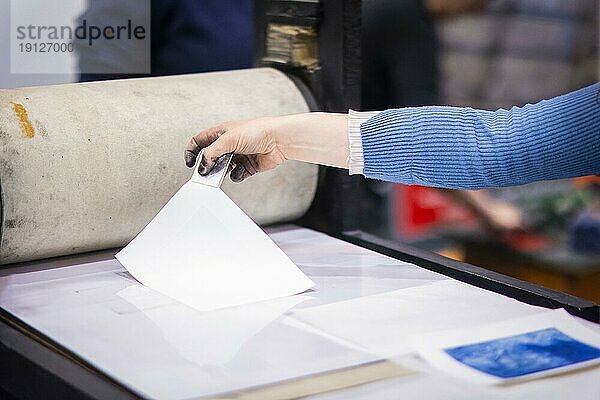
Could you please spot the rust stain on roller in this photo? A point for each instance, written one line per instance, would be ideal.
(26, 125)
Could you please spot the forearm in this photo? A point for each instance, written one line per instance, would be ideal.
(317, 138)
(463, 148)
(447, 147)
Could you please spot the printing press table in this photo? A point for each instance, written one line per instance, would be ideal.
(84, 328)
(80, 327)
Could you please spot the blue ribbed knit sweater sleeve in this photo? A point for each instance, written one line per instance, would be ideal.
(463, 148)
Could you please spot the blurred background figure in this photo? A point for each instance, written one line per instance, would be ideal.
(487, 54)
(187, 36)
(518, 52)
(400, 69)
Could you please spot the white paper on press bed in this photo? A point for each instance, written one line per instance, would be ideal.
(202, 250)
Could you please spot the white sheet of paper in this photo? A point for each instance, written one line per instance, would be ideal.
(204, 251)
(515, 350)
(440, 305)
(230, 328)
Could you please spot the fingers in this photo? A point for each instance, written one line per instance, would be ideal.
(224, 144)
(191, 152)
(255, 149)
(200, 141)
(237, 173)
(245, 167)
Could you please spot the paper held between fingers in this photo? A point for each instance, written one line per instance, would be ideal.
(204, 251)
(215, 177)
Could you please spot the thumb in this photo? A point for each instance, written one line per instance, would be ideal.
(225, 144)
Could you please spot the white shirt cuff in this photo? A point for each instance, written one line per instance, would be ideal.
(356, 163)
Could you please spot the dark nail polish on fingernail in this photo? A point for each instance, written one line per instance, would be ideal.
(202, 167)
(190, 160)
(237, 174)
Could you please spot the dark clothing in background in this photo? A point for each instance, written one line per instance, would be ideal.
(186, 36)
(201, 35)
(399, 55)
(399, 69)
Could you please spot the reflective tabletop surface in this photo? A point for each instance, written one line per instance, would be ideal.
(364, 308)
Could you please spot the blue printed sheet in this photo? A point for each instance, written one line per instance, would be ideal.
(524, 348)
(524, 354)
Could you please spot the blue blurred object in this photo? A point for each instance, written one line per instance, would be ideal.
(200, 36)
(187, 36)
(584, 233)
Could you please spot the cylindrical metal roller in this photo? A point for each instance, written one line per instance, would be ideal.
(86, 166)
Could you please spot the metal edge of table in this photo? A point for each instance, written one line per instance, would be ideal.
(517, 289)
(34, 365)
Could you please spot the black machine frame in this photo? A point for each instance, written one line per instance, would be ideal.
(35, 366)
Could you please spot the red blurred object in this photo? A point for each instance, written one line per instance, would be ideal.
(586, 181)
(526, 242)
(418, 209)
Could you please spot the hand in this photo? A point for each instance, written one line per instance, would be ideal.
(252, 141)
(500, 216)
(495, 215)
(263, 144)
